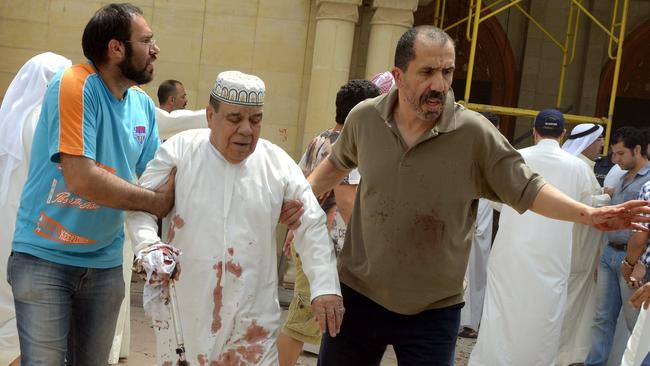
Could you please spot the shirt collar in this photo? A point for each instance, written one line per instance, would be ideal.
(642, 172)
(548, 142)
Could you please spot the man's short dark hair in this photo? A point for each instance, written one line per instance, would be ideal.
(214, 102)
(630, 137)
(166, 89)
(113, 21)
(646, 133)
(405, 51)
(351, 94)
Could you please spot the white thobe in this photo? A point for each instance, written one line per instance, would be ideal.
(19, 112)
(528, 270)
(470, 315)
(171, 123)
(122, 338)
(575, 340)
(9, 348)
(224, 222)
(638, 345)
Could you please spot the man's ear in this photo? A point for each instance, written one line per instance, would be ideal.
(116, 49)
(209, 113)
(397, 75)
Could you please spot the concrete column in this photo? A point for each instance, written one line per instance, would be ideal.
(391, 19)
(334, 36)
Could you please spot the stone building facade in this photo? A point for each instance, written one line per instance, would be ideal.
(306, 49)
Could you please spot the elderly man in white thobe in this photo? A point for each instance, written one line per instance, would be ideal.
(530, 261)
(230, 186)
(585, 142)
(19, 113)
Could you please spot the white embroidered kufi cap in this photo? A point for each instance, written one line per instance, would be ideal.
(235, 87)
(581, 137)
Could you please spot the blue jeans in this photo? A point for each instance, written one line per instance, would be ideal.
(427, 338)
(612, 294)
(63, 309)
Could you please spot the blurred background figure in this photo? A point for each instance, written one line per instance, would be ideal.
(172, 95)
(470, 315)
(19, 114)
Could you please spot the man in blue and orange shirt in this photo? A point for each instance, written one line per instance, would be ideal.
(95, 134)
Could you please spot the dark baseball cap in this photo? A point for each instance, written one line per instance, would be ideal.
(549, 121)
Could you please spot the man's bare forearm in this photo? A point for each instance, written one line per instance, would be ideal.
(325, 177)
(552, 203)
(636, 245)
(345, 194)
(91, 182)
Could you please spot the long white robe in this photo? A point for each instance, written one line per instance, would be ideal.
(122, 337)
(470, 315)
(9, 347)
(224, 222)
(528, 271)
(179, 120)
(575, 340)
(638, 345)
(19, 112)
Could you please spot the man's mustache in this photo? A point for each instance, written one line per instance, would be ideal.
(432, 94)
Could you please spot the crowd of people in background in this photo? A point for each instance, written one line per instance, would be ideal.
(390, 215)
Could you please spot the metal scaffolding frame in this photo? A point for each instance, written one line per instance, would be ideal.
(479, 13)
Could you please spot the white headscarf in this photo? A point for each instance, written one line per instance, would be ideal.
(23, 95)
(581, 137)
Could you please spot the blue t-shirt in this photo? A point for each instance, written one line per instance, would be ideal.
(81, 117)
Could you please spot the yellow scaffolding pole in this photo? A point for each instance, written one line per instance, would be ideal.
(472, 50)
(565, 63)
(467, 17)
(539, 26)
(570, 40)
(617, 68)
(611, 30)
(436, 15)
(439, 15)
(523, 112)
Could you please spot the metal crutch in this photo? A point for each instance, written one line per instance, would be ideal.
(178, 327)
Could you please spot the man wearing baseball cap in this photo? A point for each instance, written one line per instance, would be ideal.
(531, 260)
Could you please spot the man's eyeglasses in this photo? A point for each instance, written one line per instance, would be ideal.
(151, 43)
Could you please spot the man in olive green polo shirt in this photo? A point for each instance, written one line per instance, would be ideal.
(425, 161)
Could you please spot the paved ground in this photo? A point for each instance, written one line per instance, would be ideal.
(143, 347)
(143, 342)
